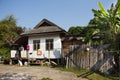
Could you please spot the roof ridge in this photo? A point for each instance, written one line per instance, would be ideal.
(45, 20)
(42, 27)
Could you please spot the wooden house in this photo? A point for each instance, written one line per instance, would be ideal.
(43, 41)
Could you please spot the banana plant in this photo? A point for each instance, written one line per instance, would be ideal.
(108, 21)
(90, 33)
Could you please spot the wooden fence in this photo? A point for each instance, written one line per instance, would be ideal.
(83, 56)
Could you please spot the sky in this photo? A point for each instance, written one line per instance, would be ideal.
(64, 13)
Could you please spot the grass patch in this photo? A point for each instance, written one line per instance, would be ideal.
(46, 79)
(96, 76)
(90, 75)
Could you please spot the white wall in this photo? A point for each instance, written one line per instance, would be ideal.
(55, 53)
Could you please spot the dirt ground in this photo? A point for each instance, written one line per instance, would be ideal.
(38, 72)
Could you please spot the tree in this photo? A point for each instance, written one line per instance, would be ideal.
(9, 31)
(90, 32)
(76, 30)
(108, 23)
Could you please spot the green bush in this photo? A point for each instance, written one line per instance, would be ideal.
(5, 52)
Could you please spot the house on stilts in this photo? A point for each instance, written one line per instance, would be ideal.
(45, 41)
(49, 42)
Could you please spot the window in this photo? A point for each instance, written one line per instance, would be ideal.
(36, 44)
(49, 44)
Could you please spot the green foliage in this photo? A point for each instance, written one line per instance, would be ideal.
(90, 75)
(88, 32)
(9, 31)
(91, 31)
(46, 79)
(104, 12)
(108, 22)
(3, 51)
(75, 30)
